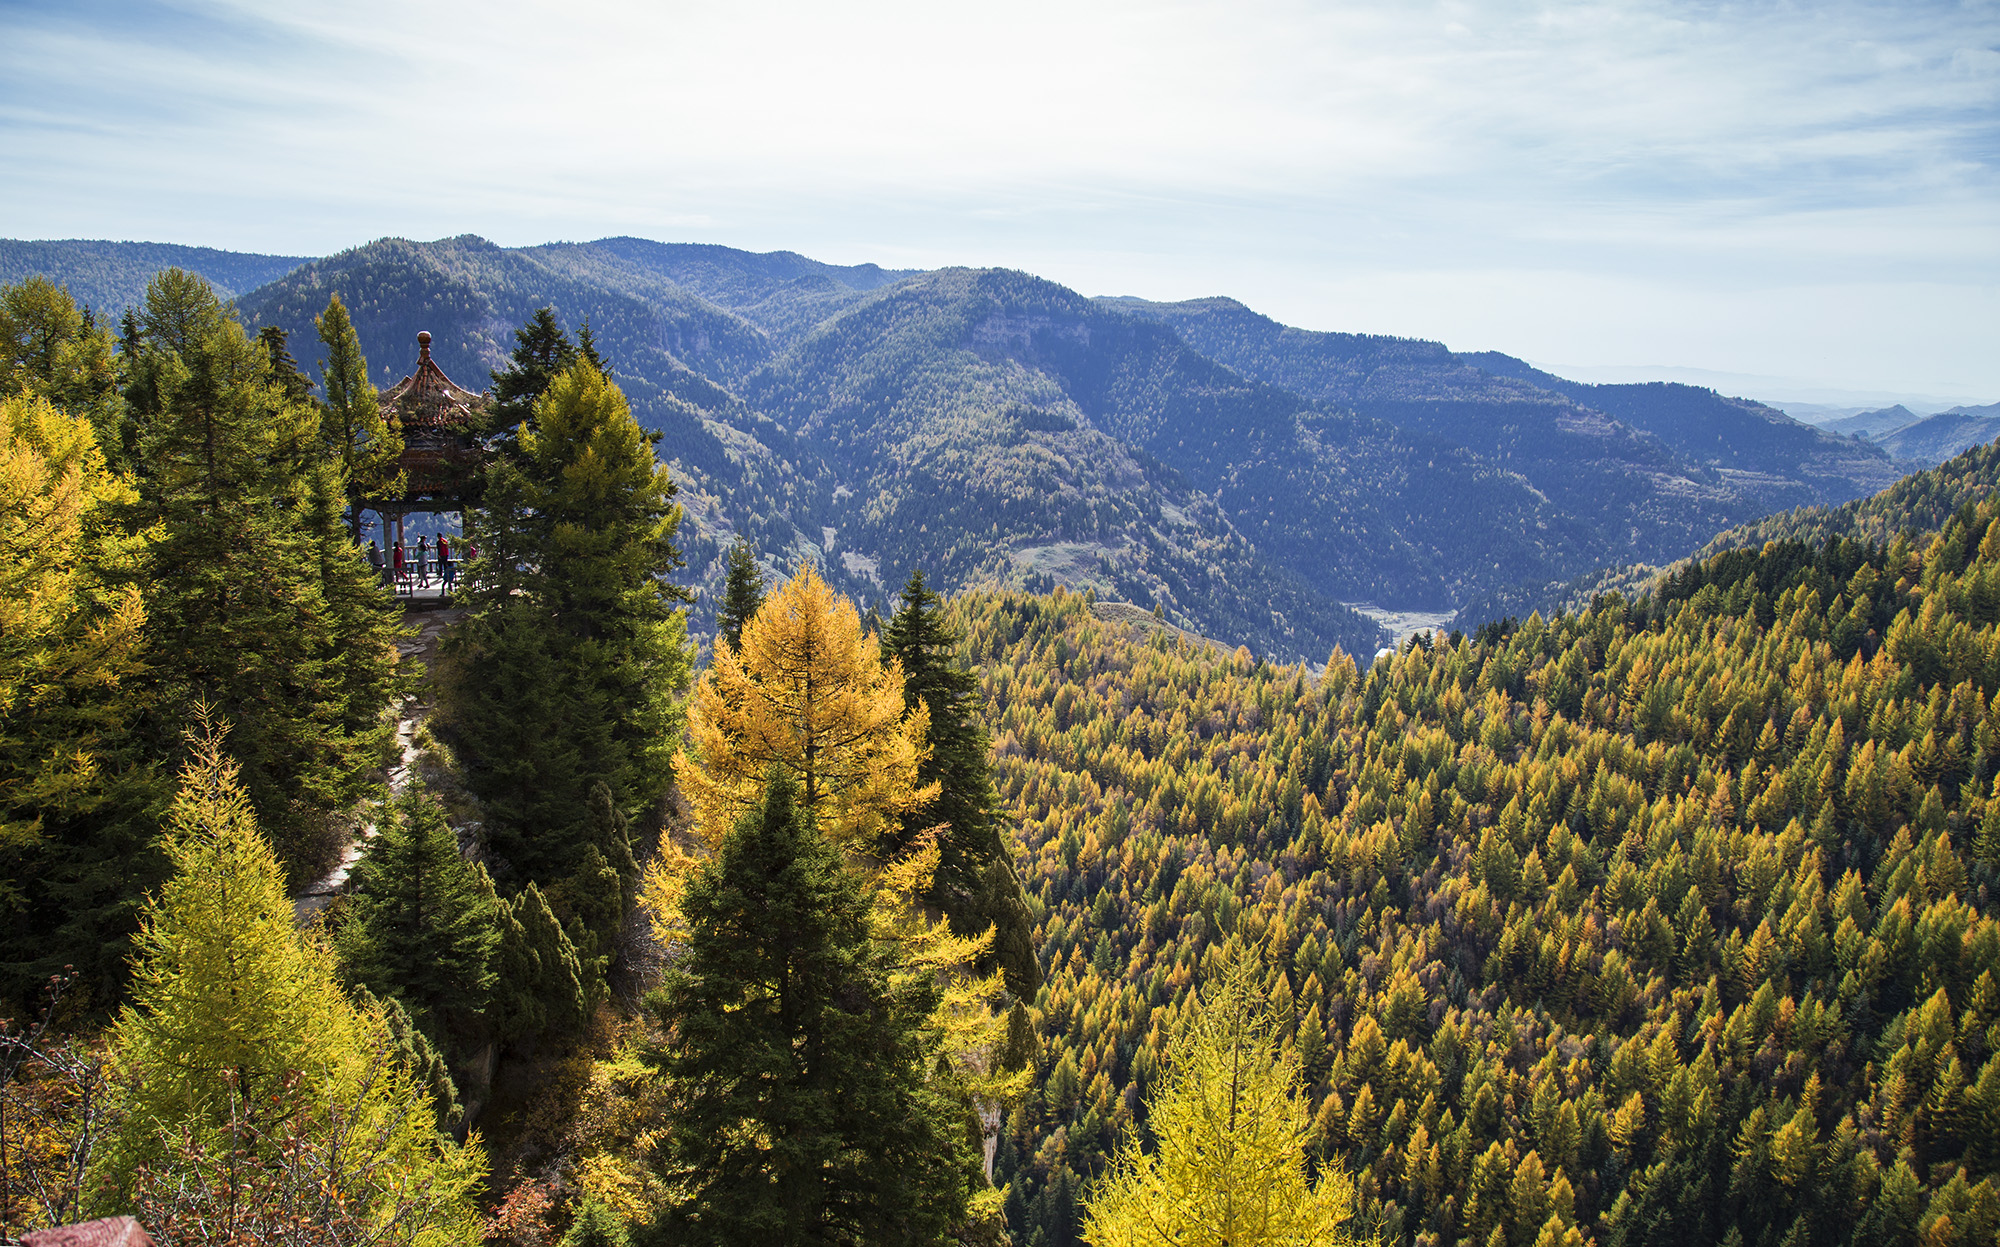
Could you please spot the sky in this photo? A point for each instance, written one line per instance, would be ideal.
(1791, 201)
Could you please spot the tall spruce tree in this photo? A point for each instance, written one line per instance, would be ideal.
(285, 374)
(571, 665)
(361, 443)
(522, 729)
(810, 1108)
(257, 604)
(742, 594)
(419, 929)
(975, 884)
(586, 348)
(540, 986)
(542, 352)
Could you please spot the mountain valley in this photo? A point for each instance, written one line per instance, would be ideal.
(995, 428)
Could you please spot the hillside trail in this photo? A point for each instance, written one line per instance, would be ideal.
(430, 626)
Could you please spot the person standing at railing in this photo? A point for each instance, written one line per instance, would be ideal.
(447, 570)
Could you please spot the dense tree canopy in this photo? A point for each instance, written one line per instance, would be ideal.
(54, 350)
(419, 927)
(1640, 915)
(257, 603)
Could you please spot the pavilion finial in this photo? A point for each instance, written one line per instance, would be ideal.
(423, 346)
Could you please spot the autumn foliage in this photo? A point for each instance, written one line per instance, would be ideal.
(809, 695)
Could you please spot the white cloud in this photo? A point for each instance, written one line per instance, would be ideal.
(1317, 156)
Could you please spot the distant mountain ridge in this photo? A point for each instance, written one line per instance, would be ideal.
(1247, 477)
(1871, 424)
(1757, 448)
(1923, 441)
(1934, 439)
(108, 277)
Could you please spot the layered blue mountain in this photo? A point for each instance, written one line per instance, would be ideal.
(1936, 438)
(1873, 424)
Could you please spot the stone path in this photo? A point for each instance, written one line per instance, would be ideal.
(431, 623)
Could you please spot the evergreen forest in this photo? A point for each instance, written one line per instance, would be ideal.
(611, 899)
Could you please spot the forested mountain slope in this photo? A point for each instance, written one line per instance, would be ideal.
(1666, 922)
(1001, 358)
(1760, 450)
(1648, 478)
(109, 277)
(1921, 502)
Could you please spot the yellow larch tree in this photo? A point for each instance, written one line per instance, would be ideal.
(253, 1095)
(74, 780)
(809, 694)
(1231, 1122)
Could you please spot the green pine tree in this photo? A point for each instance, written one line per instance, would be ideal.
(540, 986)
(742, 594)
(975, 883)
(359, 440)
(522, 728)
(241, 1055)
(542, 351)
(810, 1108)
(295, 385)
(419, 929)
(595, 1226)
(570, 669)
(586, 348)
(600, 887)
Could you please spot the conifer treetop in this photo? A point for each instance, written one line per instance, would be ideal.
(1231, 1125)
(808, 694)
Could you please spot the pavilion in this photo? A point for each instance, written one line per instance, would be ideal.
(442, 453)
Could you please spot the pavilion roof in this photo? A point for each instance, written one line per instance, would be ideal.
(428, 397)
(440, 422)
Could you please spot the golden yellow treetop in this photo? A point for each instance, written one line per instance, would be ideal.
(809, 694)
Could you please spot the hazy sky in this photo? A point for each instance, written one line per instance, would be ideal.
(1794, 197)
